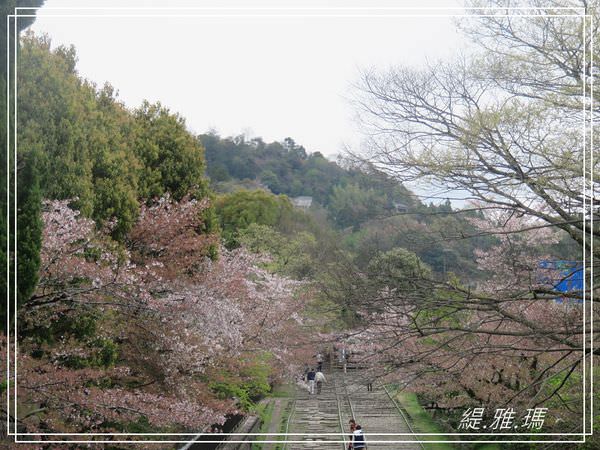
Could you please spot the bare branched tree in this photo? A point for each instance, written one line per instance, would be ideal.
(508, 123)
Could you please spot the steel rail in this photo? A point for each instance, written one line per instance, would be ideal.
(402, 414)
(287, 425)
(349, 399)
(337, 400)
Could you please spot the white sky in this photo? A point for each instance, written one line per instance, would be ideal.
(271, 77)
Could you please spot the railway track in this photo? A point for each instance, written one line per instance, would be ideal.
(345, 411)
(323, 419)
(378, 414)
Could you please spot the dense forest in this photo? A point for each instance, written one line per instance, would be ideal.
(372, 210)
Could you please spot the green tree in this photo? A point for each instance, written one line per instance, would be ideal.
(172, 159)
(397, 269)
(115, 174)
(29, 228)
(350, 205)
(293, 255)
(271, 180)
(93, 149)
(238, 210)
(28, 262)
(55, 109)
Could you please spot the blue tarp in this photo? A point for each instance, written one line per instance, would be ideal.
(568, 277)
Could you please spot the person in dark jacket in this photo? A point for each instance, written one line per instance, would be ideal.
(310, 376)
(358, 439)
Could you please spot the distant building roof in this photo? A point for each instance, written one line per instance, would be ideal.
(302, 201)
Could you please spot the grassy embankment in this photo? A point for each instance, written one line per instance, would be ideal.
(275, 420)
(422, 422)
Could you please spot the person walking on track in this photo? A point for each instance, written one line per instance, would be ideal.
(352, 428)
(319, 362)
(358, 439)
(320, 379)
(310, 376)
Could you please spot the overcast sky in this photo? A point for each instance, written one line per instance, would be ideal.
(263, 76)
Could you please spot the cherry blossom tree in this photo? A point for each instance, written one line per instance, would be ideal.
(120, 333)
(504, 341)
(500, 125)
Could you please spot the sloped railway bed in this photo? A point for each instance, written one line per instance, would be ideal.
(345, 396)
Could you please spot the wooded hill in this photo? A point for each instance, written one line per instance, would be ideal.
(351, 195)
(375, 212)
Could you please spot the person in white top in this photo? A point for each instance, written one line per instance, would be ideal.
(320, 379)
(358, 439)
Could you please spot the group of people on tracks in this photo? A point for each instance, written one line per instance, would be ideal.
(313, 378)
(316, 378)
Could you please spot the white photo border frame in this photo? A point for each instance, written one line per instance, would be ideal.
(299, 11)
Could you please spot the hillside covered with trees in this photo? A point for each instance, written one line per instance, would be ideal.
(351, 195)
(371, 210)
